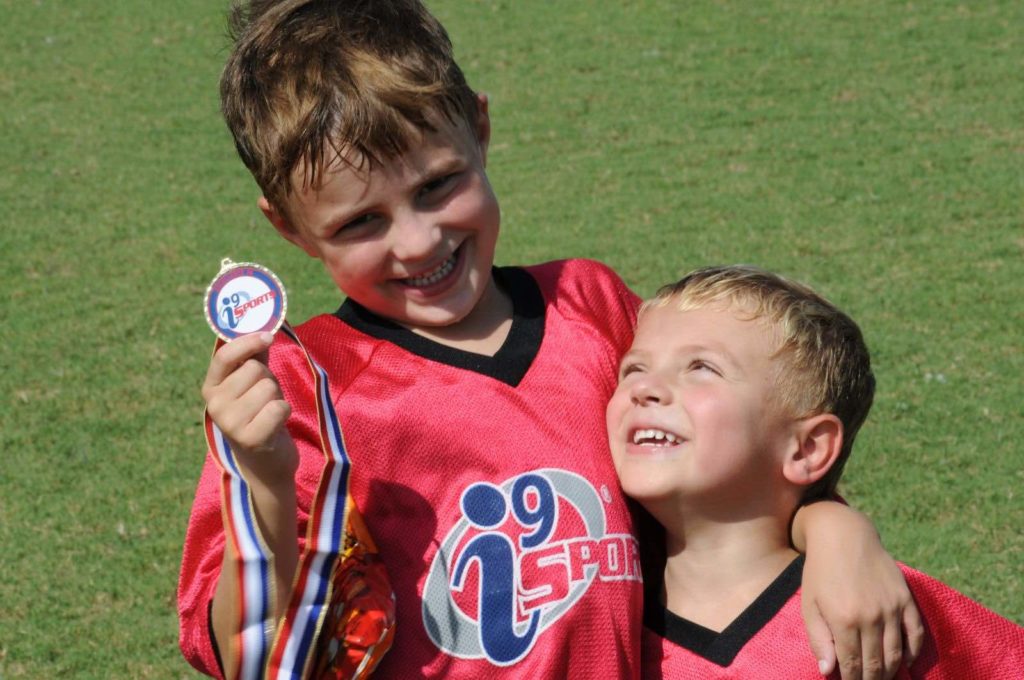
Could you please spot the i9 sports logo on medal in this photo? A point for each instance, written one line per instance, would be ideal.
(244, 298)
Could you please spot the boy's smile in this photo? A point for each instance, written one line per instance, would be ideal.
(655, 437)
(694, 412)
(412, 239)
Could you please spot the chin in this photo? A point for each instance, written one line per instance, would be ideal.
(441, 316)
(644, 487)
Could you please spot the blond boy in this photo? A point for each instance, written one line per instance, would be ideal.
(737, 403)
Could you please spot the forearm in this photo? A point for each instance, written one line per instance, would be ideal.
(275, 507)
(816, 524)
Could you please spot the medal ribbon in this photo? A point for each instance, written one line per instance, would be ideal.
(290, 655)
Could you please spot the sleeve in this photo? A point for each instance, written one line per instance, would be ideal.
(609, 301)
(200, 568)
(963, 639)
(203, 550)
(592, 300)
(592, 292)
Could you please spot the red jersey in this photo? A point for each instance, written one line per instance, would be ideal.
(486, 482)
(963, 640)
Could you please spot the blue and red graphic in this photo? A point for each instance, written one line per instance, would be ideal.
(521, 556)
(244, 298)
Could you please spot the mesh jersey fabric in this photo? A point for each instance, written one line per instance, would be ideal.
(486, 483)
(963, 640)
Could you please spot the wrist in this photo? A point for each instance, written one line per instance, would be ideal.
(271, 468)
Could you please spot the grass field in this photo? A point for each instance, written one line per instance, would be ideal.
(872, 149)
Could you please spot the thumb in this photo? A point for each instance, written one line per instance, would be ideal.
(820, 638)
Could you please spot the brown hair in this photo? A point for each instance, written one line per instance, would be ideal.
(825, 366)
(310, 82)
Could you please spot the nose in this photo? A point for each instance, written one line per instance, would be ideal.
(650, 390)
(415, 236)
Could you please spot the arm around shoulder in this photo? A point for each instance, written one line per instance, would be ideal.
(854, 594)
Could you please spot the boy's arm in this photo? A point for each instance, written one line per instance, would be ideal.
(854, 595)
(245, 401)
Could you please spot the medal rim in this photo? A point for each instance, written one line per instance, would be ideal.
(227, 267)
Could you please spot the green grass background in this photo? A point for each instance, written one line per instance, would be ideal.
(871, 149)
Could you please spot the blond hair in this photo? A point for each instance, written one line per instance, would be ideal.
(823, 363)
(311, 82)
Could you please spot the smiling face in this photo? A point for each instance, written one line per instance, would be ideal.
(695, 415)
(411, 239)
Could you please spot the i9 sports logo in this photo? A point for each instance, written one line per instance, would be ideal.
(521, 556)
(245, 298)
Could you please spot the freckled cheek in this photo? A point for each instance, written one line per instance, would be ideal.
(477, 209)
(359, 267)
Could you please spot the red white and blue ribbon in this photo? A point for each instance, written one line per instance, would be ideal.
(255, 602)
(290, 653)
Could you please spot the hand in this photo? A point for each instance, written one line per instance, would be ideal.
(855, 596)
(245, 401)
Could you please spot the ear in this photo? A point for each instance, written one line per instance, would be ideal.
(483, 125)
(283, 227)
(819, 439)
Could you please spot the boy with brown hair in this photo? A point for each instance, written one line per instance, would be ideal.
(471, 396)
(737, 403)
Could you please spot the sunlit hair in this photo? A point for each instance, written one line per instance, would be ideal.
(312, 82)
(822, 362)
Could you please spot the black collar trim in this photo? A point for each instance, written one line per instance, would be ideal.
(512, 360)
(722, 648)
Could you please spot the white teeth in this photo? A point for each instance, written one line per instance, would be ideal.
(432, 277)
(651, 435)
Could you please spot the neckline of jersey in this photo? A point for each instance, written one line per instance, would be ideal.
(721, 648)
(508, 365)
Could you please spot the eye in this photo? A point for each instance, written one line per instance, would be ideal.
(629, 369)
(438, 186)
(354, 224)
(700, 365)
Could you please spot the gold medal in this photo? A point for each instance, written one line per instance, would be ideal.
(244, 298)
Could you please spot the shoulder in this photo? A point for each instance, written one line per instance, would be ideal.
(569, 274)
(587, 287)
(586, 297)
(962, 633)
(936, 599)
(339, 349)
